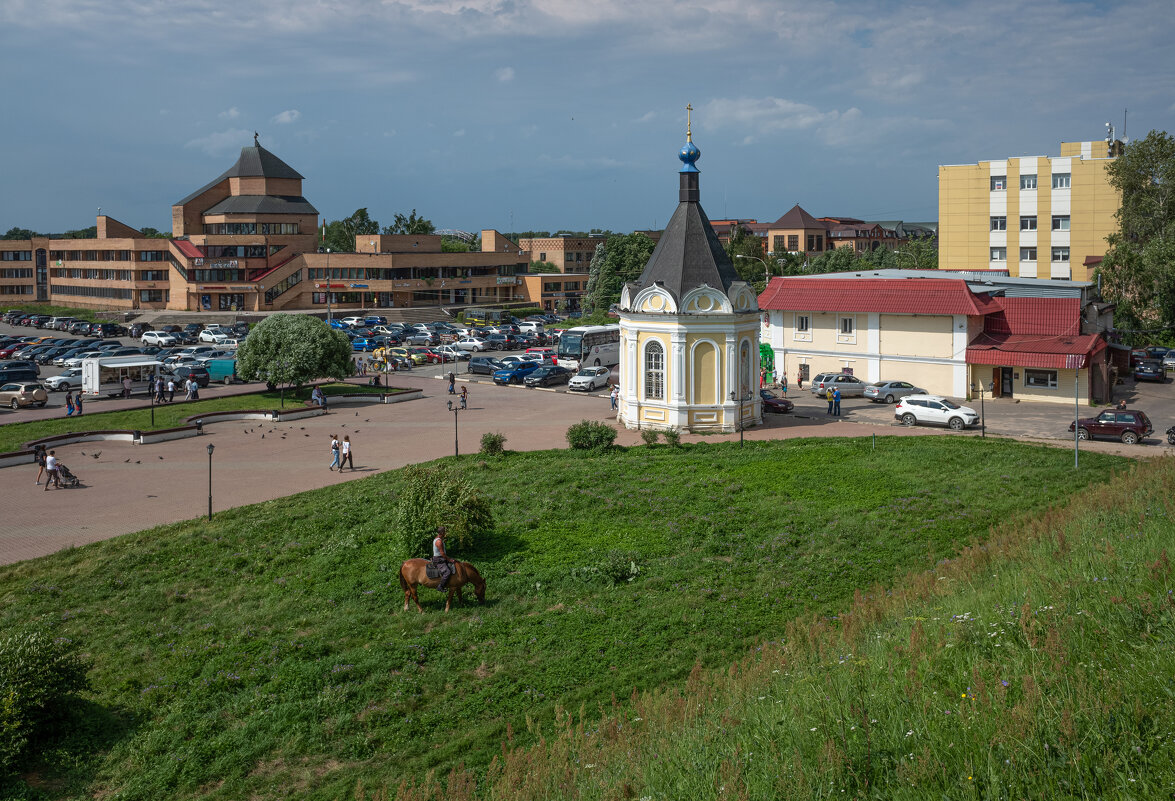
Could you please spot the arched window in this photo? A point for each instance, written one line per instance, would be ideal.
(654, 371)
(746, 382)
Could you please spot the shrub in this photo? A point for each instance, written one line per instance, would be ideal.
(433, 496)
(590, 435)
(672, 438)
(649, 436)
(617, 567)
(38, 675)
(493, 443)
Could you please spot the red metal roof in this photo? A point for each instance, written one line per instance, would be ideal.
(1052, 316)
(1026, 350)
(187, 248)
(881, 295)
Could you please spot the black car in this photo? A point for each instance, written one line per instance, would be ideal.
(79, 327)
(107, 330)
(183, 372)
(774, 403)
(1150, 370)
(138, 329)
(547, 375)
(500, 341)
(485, 365)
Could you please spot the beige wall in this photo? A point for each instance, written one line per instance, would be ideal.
(917, 335)
(1020, 391)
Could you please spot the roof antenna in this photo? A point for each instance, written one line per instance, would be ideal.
(255, 142)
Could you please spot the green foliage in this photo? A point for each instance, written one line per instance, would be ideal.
(437, 495)
(672, 437)
(410, 225)
(619, 259)
(451, 244)
(745, 250)
(154, 233)
(590, 435)
(340, 234)
(615, 567)
(293, 349)
(493, 444)
(544, 267)
(82, 233)
(19, 233)
(918, 253)
(39, 676)
(836, 261)
(649, 436)
(1138, 270)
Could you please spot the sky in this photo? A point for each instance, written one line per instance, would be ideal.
(557, 114)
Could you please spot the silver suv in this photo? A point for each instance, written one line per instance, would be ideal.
(847, 384)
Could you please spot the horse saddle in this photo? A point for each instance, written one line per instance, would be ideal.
(433, 570)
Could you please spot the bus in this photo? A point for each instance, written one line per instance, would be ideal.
(591, 345)
(480, 317)
(103, 376)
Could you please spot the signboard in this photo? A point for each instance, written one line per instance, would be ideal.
(507, 279)
(361, 286)
(223, 265)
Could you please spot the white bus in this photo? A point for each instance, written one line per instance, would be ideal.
(103, 376)
(590, 345)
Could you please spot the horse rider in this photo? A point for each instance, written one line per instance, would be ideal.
(441, 559)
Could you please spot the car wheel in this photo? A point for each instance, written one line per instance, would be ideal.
(63, 386)
(15, 404)
(41, 405)
(956, 424)
(889, 398)
(909, 419)
(1082, 434)
(1129, 437)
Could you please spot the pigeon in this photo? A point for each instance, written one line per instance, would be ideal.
(160, 457)
(137, 461)
(83, 453)
(96, 455)
(301, 428)
(356, 414)
(125, 461)
(263, 436)
(367, 419)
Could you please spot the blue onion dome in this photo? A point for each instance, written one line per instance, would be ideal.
(688, 155)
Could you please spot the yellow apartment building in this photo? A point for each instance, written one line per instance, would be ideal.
(1033, 216)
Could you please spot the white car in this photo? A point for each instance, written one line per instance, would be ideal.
(451, 352)
(935, 410)
(70, 379)
(76, 361)
(160, 338)
(215, 335)
(589, 378)
(353, 322)
(472, 344)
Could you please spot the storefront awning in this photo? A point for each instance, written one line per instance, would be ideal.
(1029, 350)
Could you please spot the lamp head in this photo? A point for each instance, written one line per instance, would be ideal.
(211, 447)
(450, 406)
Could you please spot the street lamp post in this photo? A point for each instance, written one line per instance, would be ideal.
(210, 449)
(982, 415)
(746, 396)
(152, 392)
(456, 410)
(766, 267)
(328, 283)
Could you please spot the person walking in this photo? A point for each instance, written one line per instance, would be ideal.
(783, 384)
(39, 458)
(334, 453)
(77, 403)
(836, 402)
(69, 404)
(464, 397)
(51, 469)
(171, 389)
(347, 459)
(188, 388)
(452, 383)
(828, 397)
(126, 386)
(159, 389)
(614, 396)
(800, 380)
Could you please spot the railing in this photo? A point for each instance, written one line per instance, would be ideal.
(291, 280)
(258, 273)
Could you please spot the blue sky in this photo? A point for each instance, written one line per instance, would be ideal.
(549, 114)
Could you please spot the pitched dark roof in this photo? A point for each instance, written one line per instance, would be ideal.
(263, 204)
(688, 255)
(253, 162)
(798, 218)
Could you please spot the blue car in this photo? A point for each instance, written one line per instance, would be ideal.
(514, 373)
(339, 324)
(364, 343)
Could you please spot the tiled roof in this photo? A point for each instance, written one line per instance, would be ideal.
(688, 255)
(882, 295)
(1051, 316)
(188, 249)
(798, 218)
(1026, 350)
(263, 204)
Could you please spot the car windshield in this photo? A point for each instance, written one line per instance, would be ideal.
(950, 404)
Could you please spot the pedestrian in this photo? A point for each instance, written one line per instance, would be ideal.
(614, 396)
(452, 383)
(69, 404)
(347, 459)
(159, 389)
(77, 402)
(836, 402)
(126, 386)
(783, 383)
(800, 380)
(464, 397)
(1122, 404)
(39, 458)
(762, 378)
(171, 389)
(334, 453)
(188, 383)
(195, 389)
(51, 471)
(317, 398)
(828, 397)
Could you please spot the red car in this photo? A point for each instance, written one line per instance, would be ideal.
(1128, 425)
(774, 403)
(430, 356)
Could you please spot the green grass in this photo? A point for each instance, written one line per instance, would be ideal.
(169, 415)
(264, 654)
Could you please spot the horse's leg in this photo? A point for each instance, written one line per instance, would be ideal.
(461, 595)
(449, 599)
(416, 600)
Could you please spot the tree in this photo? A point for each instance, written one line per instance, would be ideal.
(1138, 270)
(293, 349)
(410, 225)
(918, 253)
(82, 233)
(619, 259)
(745, 250)
(154, 233)
(841, 260)
(340, 234)
(437, 495)
(19, 233)
(543, 267)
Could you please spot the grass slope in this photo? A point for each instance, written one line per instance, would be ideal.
(264, 654)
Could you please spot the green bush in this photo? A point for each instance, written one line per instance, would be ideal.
(617, 567)
(38, 675)
(493, 444)
(672, 438)
(433, 496)
(589, 435)
(649, 436)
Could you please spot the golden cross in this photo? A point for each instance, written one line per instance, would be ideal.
(689, 137)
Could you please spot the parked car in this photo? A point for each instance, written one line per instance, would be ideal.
(472, 344)
(890, 391)
(1156, 351)
(1150, 370)
(589, 379)
(485, 365)
(1169, 360)
(196, 371)
(1128, 425)
(935, 410)
(77, 359)
(499, 341)
(419, 337)
(375, 319)
(1138, 356)
(847, 384)
(138, 329)
(107, 330)
(407, 353)
(191, 331)
(514, 373)
(352, 322)
(451, 353)
(365, 344)
(159, 338)
(774, 403)
(546, 375)
(817, 384)
(17, 395)
(62, 382)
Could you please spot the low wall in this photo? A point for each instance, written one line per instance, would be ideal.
(165, 434)
(16, 458)
(117, 435)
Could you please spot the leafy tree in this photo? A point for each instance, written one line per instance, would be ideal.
(293, 349)
(340, 234)
(918, 253)
(82, 233)
(452, 244)
(835, 261)
(410, 225)
(154, 233)
(544, 267)
(19, 233)
(752, 263)
(432, 496)
(1138, 270)
(619, 259)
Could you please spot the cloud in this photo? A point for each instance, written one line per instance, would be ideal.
(287, 117)
(504, 74)
(231, 114)
(647, 116)
(221, 142)
(460, 132)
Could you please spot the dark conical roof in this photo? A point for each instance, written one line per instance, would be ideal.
(253, 162)
(796, 218)
(688, 255)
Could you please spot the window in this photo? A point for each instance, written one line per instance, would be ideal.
(847, 325)
(1028, 223)
(1060, 254)
(803, 323)
(1060, 180)
(1061, 223)
(654, 371)
(777, 244)
(1028, 182)
(793, 242)
(999, 183)
(542, 257)
(999, 254)
(1041, 379)
(999, 223)
(1027, 254)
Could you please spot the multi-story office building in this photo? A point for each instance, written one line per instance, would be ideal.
(571, 254)
(1032, 216)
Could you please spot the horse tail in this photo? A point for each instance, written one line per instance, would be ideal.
(403, 581)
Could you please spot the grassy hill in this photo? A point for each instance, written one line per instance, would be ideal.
(265, 654)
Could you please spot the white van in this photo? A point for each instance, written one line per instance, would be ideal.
(532, 327)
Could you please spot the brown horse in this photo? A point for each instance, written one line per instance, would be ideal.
(412, 575)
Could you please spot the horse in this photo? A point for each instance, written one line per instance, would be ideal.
(412, 575)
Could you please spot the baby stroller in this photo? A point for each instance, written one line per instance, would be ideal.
(68, 479)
